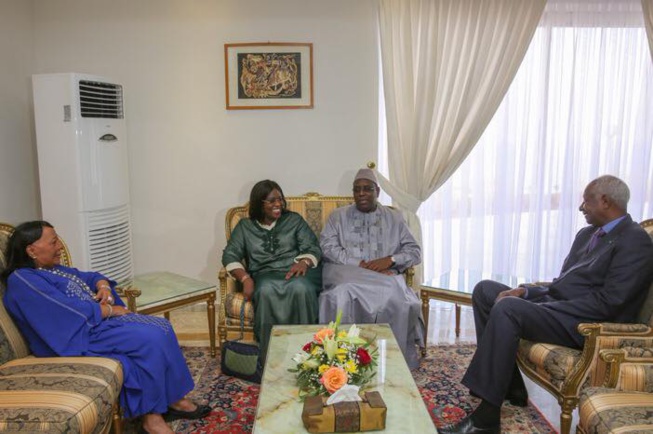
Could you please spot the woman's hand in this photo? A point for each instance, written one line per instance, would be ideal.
(246, 281)
(248, 288)
(299, 268)
(108, 311)
(103, 292)
(120, 311)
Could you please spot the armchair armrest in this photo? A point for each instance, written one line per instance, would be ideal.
(409, 274)
(601, 336)
(628, 372)
(231, 301)
(131, 293)
(620, 329)
(227, 285)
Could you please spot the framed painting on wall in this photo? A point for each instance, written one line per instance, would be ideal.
(269, 75)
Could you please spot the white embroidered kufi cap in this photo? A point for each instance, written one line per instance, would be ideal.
(366, 174)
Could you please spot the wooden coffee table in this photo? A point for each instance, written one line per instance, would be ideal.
(280, 410)
(161, 292)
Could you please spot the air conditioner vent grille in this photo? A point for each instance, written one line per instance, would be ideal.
(109, 240)
(100, 100)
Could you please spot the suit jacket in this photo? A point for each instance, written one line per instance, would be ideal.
(609, 283)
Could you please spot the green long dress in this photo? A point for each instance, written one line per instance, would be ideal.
(269, 254)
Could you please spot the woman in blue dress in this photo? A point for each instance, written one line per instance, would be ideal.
(62, 311)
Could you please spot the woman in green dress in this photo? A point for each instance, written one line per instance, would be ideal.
(282, 254)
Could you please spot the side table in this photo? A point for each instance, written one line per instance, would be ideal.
(456, 287)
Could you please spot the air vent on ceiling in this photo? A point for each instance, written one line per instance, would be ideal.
(100, 100)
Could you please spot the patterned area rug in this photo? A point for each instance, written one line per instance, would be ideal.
(438, 379)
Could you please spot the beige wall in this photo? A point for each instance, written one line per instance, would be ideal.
(191, 159)
(19, 198)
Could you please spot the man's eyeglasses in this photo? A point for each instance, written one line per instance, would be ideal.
(273, 200)
(365, 188)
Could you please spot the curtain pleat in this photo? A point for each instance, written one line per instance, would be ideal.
(580, 106)
(647, 8)
(446, 66)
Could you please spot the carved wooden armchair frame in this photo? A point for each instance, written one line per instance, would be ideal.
(625, 399)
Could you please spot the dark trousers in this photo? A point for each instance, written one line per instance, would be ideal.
(499, 327)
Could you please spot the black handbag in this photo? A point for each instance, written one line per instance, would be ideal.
(239, 359)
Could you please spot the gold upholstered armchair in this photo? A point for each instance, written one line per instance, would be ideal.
(53, 394)
(624, 403)
(565, 372)
(315, 209)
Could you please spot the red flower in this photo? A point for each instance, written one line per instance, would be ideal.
(307, 347)
(364, 357)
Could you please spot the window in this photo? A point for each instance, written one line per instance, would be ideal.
(581, 105)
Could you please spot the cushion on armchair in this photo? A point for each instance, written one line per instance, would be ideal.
(553, 362)
(59, 394)
(233, 304)
(605, 410)
(12, 344)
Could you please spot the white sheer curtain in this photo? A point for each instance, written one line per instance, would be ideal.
(580, 106)
(446, 66)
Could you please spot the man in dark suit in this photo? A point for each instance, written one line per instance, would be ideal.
(604, 278)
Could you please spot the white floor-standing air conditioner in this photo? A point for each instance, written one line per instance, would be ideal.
(83, 169)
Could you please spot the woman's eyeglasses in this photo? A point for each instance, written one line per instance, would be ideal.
(273, 200)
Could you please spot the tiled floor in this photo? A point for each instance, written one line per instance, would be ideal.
(191, 327)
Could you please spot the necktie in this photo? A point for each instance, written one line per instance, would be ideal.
(596, 236)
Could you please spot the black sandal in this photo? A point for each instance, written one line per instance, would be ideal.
(200, 412)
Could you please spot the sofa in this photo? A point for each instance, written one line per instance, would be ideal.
(53, 394)
(315, 209)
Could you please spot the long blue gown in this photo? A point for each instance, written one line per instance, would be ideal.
(56, 313)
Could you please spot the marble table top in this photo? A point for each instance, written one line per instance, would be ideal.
(279, 408)
(162, 287)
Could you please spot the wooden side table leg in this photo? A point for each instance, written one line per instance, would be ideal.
(210, 309)
(457, 320)
(425, 316)
(132, 293)
(166, 315)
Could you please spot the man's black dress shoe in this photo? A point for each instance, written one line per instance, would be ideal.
(518, 397)
(466, 426)
(200, 412)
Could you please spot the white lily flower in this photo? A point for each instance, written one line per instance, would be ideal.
(354, 331)
(300, 357)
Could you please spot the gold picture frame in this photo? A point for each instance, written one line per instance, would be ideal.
(268, 75)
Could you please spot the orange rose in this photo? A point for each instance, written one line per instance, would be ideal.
(334, 378)
(321, 334)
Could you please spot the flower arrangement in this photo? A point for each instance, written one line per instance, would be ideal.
(333, 359)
